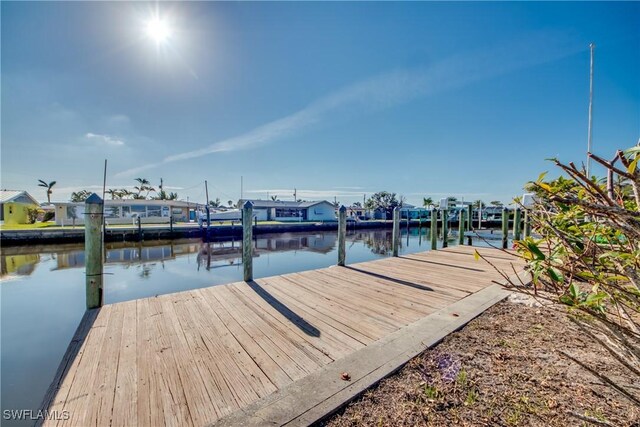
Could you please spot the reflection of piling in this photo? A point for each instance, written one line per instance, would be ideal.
(516, 224)
(461, 227)
(93, 250)
(342, 235)
(445, 227)
(434, 229)
(505, 227)
(139, 229)
(247, 237)
(396, 231)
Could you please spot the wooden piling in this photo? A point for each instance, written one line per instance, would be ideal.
(396, 231)
(505, 228)
(208, 219)
(469, 217)
(516, 224)
(461, 226)
(342, 235)
(434, 229)
(247, 236)
(93, 250)
(445, 227)
(527, 224)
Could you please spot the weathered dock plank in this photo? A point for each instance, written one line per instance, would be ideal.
(194, 357)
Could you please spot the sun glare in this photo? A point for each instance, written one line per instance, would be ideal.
(158, 30)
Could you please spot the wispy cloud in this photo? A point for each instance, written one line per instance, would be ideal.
(393, 88)
(104, 139)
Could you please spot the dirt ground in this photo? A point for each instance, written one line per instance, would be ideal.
(504, 368)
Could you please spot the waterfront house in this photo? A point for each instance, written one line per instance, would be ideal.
(278, 210)
(14, 206)
(127, 211)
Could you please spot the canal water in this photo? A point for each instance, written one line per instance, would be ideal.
(42, 289)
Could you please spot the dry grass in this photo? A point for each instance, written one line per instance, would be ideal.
(505, 368)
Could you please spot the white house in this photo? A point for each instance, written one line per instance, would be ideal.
(269, 210)
(127, 211)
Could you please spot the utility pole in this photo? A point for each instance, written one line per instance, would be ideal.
(589, 134)
(206, 191)
(241, 188)
(295, 195)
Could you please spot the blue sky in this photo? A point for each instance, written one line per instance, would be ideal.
(334, 99)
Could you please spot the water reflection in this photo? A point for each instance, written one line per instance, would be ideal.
(147, 256)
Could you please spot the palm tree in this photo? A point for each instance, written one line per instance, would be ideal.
(215, 203)
(48, 187)
(427, 202)
(496, 203)
(149, 189)
(230, 202)
(113, 193)
(478, 204)
(274, 198)
(143, 183)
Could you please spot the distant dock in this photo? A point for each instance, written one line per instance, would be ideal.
(270, 350)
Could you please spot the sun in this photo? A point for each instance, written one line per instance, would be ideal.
(158, 30)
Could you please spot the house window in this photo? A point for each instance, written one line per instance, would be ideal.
(141, 210)
(154, 211)
(288, 213)
(75, 212)
(112, 212)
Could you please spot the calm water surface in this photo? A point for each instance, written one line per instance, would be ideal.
(42, 289)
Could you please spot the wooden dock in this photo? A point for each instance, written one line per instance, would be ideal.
(194, 357)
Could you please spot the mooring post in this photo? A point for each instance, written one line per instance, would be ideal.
(434, 229)
(505, 227)
(527, 224)
(247, 237)
(171, 224)
(516, 224)
(461, 226)
(396, 230)
(342, 235)
(445, 227)
(93, 250)
(208, 218)
(469, 217)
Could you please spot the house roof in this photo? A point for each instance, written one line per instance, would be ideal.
(11, 195)
(257, 203)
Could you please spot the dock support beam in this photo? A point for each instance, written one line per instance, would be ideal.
(505, 227)
(396, 230)
(247, 237)
(434, 229)
(461, 226)
(516, 224)
(93, 212)
(445, 227)
(342, 235)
